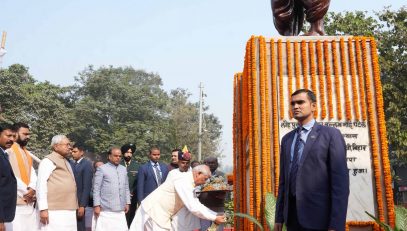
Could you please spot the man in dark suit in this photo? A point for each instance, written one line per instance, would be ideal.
(132, 168)
(82, 169)
(314, 180)
(8, 182)
(150, 175)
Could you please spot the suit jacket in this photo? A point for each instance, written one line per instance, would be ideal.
(322, 186)
(8, 190)
(111, 188)
(146, 180)
(83, 172)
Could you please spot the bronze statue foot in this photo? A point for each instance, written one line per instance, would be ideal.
(317, 29)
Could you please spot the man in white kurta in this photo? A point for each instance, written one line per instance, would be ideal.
(183, 219)
(21, 162)
(56, 189)
(158, 208)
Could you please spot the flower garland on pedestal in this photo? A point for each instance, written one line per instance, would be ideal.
(304, 63)
(337, 84)
(361, 75)
(328, 74)
(383, 134)
(355, 100)
(276, 141)
(321, 79)
(373, 136)
(348, 112)
(290, 74)
(280, 77)
(297, 65)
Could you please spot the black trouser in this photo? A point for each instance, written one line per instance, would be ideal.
(80, 223)
(292, 220)
(132, 211)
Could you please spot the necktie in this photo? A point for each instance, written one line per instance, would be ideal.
(299, 144)
(157, 174)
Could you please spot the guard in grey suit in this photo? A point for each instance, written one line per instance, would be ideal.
(111, 194)
(314, 178)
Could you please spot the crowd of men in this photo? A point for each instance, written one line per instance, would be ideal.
(68, 192)
(164, 197)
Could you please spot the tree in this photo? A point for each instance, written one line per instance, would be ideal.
(390, 30)
(41, 105)
(106, 107)
(183, 124)
(114, 106)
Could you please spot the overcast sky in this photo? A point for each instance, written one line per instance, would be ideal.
(184, 41)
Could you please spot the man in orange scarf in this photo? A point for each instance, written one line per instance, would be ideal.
(21, 163)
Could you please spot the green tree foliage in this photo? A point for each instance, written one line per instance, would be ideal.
(389, 27)
(183, 122)
(106, 107)
(41, 105)
(119, 105)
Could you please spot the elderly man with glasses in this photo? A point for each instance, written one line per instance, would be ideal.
(159, 207)
(56, 188)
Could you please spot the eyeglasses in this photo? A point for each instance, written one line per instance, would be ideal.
(66, 144)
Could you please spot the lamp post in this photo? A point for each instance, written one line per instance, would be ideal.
(2, 48)
(200, 122)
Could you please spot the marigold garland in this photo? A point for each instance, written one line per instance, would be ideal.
(328, 79)
(245, 131)
(321, 79)
(241, 176)
(361, 78)
(276, 141)
(268, 134)
(373, 136)
(280, 77)
(337, 84)
(348, 111)
(289, 74)
(256, 127)
(383, 134)
(297, 65)
(351, 57)
(304, 63)
(313, 72)
(251, 131)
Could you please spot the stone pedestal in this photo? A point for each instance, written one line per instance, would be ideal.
(344, 74)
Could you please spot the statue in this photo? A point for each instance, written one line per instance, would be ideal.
(289, 16)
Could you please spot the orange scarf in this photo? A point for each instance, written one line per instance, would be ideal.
(24, 170)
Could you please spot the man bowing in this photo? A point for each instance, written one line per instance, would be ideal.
(158, 208)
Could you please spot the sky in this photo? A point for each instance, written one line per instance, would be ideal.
(184, 41)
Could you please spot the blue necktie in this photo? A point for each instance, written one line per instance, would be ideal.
(157, 174)
(299, 144)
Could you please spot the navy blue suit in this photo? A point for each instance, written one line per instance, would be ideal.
(8, 190)
(146, 180)
(83, 172)
(322, 185)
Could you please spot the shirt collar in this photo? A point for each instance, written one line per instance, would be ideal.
(309, 125)
(79, 160)
(153, 164)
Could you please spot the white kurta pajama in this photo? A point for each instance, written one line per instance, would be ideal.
(148, 220)
(183, 220)
(26, 215)
(59, 220)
